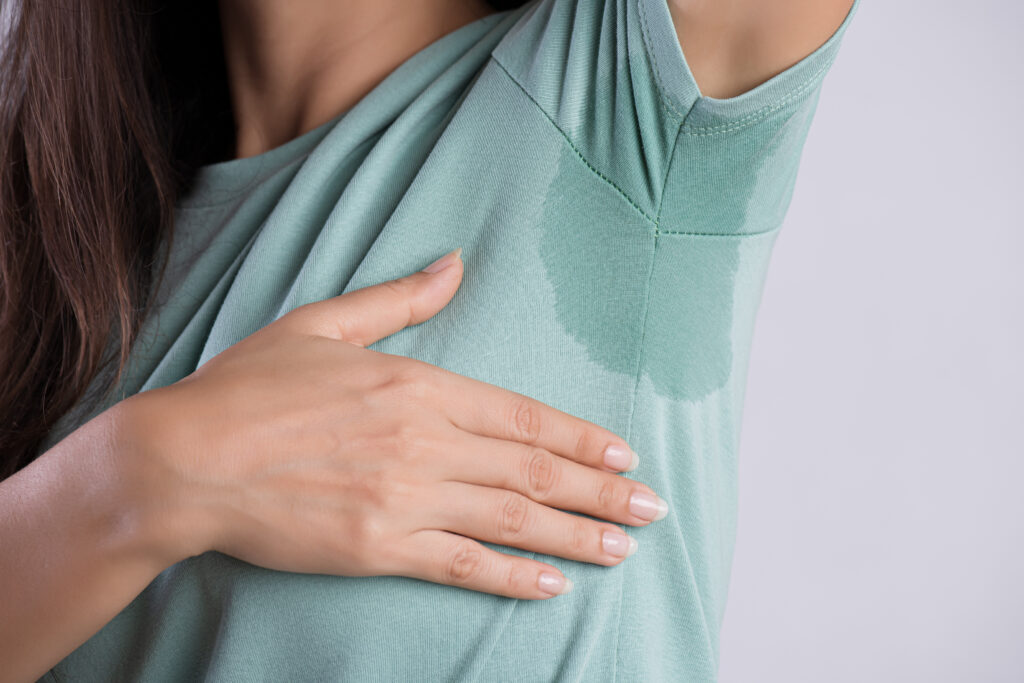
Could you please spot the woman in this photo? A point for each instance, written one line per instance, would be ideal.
(256, 499)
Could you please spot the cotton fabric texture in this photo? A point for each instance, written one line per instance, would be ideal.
(616, 228)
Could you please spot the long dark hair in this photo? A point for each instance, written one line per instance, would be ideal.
(107, 108)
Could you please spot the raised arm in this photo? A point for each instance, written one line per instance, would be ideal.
(733, 46)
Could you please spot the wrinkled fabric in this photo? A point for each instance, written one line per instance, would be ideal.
(616, 228)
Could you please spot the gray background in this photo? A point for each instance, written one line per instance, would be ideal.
(881, 479)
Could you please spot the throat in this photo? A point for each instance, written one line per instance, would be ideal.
(294, 66)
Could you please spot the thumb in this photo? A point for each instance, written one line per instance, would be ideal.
(365, 315)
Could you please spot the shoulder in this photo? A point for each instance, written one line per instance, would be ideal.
(732, 47)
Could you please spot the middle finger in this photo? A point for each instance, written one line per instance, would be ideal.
(551, 479)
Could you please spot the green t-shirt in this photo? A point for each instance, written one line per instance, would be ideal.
(616, 228)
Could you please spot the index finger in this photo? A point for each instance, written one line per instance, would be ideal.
(489, 410)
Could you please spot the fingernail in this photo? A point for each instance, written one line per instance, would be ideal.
(620, 458)
(618, 544)
(443, 262)
(553, 584)
(646, 506)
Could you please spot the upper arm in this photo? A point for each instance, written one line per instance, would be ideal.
(733, 46)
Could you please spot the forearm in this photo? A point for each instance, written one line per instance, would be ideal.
(75, 548)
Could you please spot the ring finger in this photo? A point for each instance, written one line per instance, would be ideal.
(510, 518)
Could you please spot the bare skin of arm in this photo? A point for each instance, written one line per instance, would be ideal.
(733, 46)
(76, 549)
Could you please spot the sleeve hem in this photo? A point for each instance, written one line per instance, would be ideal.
(709, 115)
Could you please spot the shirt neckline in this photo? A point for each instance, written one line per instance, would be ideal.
(222, 181)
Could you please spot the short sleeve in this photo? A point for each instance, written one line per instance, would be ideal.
(708, 114)
(734, 165)
(586, 65)
(612, 77)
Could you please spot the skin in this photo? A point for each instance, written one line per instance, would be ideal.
(732, 46)
(290, 70)
(244, 458)
(261, 456)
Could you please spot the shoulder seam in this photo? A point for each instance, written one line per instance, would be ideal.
(659, 83)
(573, 146)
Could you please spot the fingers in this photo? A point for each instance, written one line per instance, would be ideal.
(371, 313)
(510, 518)
(489, 410)
(547, 478)
(366, 315)
(454, 560)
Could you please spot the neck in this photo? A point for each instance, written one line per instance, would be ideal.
(293, 66)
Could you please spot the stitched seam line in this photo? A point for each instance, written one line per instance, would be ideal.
(658, 232)
(573, 146)
(632, 413)
(664, 183)
(756, 116)
(640, 365)
(654, 60)
(717, 234)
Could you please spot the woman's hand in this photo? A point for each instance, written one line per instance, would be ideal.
(298, 449)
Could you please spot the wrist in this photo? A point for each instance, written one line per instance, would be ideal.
(153, 494)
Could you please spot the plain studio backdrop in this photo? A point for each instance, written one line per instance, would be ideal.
(881, 520)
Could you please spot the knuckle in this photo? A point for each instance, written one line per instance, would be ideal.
(583, 445)
(515, 578)
(365, 534)
(524, 420)
(384, 490)
(414, 387)
(400, 289)
(608, 494)
(540, 473)
(397, 287)
(399, 494)
(410, 376)
(389, 381)
(408, 440)
(342, 325)
(513, 516)
(376, 491)
(409, 384)
(367, 377)
(466, 562)
(579, 538)
(317, 317)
